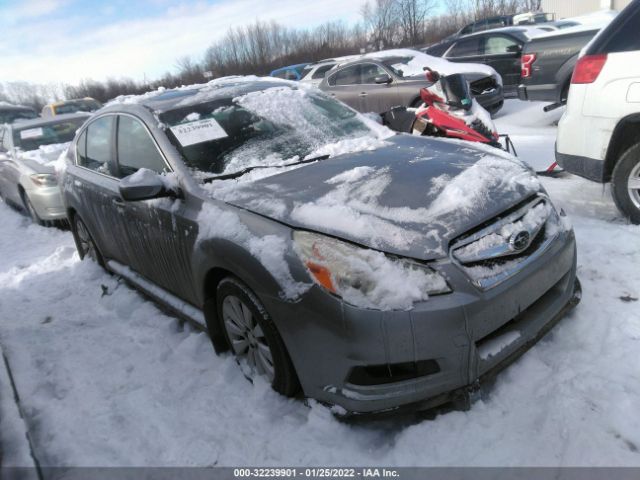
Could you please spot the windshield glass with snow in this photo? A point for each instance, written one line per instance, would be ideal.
(271, 127)
(34, 137)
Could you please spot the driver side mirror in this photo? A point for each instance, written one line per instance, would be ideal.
(144, 185)
(382, 79)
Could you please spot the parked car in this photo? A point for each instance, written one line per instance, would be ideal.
(547, 63)
(9, 113)
(28, 151)
(599, 133)
(315, 72)
(317, 245)
(86, 104)
(378, 81)
(500, 21)
(292, 72)
(500, 49)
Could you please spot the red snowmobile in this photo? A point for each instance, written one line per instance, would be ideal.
(449, 110)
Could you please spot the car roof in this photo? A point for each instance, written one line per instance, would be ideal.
(38, 122)
(222, 88)
(521, 31)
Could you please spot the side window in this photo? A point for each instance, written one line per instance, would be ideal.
(498, 44)
(465, 48)
(320, 71)
(369, 72)
(98, 149)
(347, 76)
(626, 38)
(136, 148)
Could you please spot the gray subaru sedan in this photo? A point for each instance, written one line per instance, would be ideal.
(369, 270)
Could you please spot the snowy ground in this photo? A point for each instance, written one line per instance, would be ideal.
(107, 379)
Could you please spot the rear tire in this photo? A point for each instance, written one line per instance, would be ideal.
(625, 184)
(253, 336)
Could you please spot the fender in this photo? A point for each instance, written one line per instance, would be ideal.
(625, 135)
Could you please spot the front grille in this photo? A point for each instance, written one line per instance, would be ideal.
(494, 251)
(478, 87)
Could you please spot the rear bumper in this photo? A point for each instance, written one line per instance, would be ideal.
(589, 168)
(457, 332)
(538, 93)
(47, 201)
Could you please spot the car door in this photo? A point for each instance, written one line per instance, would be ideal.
(376, 97)
(502, 52)
(344, 85)
(96, 188)
(160, 238)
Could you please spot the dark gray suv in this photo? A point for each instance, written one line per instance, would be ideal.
(371, 270)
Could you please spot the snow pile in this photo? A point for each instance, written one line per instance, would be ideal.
(270, 250)
(495, 345)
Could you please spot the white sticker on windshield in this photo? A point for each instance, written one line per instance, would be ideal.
(31, 133)
(198, 132)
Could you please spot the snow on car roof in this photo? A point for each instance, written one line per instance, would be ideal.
(419, 60)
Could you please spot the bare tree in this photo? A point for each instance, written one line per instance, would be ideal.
(412, 15)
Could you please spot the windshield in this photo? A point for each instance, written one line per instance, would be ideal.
(404, 66)
(10, 116)
(32, 138)
(77, 106)
(271, 127)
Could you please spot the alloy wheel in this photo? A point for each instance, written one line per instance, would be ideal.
(247, 337)
(85, 242)
(633, 185)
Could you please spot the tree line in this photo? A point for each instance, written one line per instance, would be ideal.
(261, 47)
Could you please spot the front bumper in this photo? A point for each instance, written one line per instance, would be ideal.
(328, 339)
(47, 202)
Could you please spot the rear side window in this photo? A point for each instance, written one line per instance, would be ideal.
(498, 44)
(136, 148)
(625, 38)
(98, 147)
(465, 48)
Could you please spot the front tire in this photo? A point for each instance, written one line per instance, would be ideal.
(625, 184)
(253, 336)
(84, 242)
(28, 206)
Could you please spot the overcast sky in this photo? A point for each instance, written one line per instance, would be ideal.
(44, 41)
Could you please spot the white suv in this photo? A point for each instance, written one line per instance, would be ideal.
(599, 134)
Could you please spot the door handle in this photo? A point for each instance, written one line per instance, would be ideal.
(363, 94)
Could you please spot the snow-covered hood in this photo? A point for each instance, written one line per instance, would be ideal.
(420, 60)
(410, 198)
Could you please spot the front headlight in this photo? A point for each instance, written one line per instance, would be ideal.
(44, 179)
(366, 278)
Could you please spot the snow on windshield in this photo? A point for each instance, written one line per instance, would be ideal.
(47, 155)
(274, 127)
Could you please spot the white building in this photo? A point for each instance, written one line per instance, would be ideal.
(573, 8)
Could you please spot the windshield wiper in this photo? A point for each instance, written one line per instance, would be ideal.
(240, 173)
